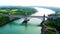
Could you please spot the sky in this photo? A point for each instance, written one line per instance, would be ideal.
(52, 3)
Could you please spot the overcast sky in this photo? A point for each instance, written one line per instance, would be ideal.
(52, 3)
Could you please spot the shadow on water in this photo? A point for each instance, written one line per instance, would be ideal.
(26, 26)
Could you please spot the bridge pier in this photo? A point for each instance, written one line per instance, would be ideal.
(25, 20)
(43, 26)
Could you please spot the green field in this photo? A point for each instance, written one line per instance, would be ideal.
(20, 11)
(15, 11)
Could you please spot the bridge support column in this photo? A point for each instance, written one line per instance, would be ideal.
(43, 26)
(25, 20)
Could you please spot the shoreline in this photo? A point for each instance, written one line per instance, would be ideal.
(8, 22)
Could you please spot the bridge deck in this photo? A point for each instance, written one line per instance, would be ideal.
(22, 16)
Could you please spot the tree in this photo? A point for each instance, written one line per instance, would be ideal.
(53, 23)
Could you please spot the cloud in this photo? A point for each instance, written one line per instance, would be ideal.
(54, 3)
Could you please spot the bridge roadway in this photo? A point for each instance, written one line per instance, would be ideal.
(22, 16)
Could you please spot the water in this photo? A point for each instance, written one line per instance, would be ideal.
(15, 27)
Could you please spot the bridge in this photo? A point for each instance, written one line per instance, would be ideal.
(23, 16)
